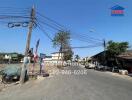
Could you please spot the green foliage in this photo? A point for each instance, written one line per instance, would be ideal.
(77, 57)
(116, 48)
(61, 39)
(20, 56)
(68, 54)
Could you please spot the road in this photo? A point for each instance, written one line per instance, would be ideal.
(92, 86)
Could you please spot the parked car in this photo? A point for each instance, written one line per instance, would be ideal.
(100, 67)
(115, 69)
(108, 68)
(89, 66)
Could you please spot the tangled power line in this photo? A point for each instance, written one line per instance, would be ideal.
(81, 37)
(19, 17)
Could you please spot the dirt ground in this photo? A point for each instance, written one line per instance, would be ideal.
(47, 68)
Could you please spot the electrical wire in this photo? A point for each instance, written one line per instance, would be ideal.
(90, 46)
(51, 26)
(82, 37)
(16, 14)
(43, 31)
(51, 20)
(83, 47)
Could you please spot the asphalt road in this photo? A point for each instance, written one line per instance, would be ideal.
(92, 86)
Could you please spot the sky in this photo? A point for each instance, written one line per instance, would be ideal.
(78, 16)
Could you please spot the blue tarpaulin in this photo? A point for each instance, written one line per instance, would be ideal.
(12, 70)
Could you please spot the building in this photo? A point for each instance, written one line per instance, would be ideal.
(7, 57)
(57, 56)
(10, 57)
(100, 58)
(54, 58)
(47, 59)
(86, 59)
(125, 60)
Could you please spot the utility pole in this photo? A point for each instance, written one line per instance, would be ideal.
(31, 24)
(104, 45)
(26, 60)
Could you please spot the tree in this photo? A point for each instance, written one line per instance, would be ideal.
(77, 58)
(115, 48)
(61, 40)
(20, 57)
(68, 53)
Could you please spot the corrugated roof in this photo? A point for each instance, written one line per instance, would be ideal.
(126, 55)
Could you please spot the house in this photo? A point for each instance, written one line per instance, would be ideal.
(57, 55)
(54, 58)
(7, 57)
(100, 58)
(125, 60)
(13, 57)
(117, 11)
(87, 58)
(47, 59)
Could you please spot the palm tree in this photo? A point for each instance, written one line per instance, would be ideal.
(61, 40)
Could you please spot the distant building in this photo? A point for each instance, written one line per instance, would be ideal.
(7, 57)
(57, 56)
(54, 58)
(12, 57)
(47, 59)
(87, 58)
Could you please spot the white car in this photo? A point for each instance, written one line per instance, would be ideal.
(90, 66)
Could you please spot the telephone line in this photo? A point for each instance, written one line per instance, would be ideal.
(51, 26)
(52, 20)
(40, 27)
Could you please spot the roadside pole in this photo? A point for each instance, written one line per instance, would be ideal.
(26, 60)
(104, 45)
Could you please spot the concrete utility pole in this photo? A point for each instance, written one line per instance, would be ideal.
(104, 45)
(26, 60)
(31, 24)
